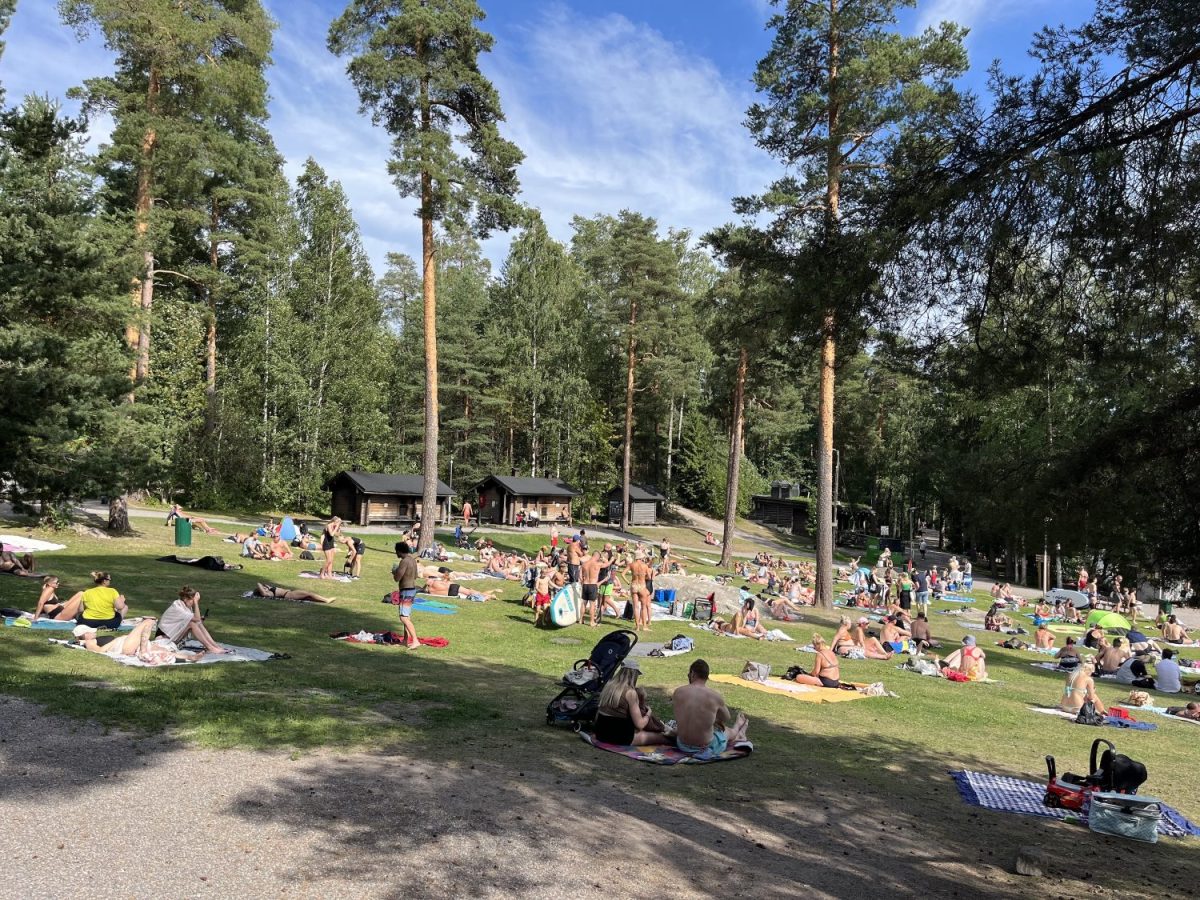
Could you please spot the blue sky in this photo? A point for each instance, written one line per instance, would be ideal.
(616, 103)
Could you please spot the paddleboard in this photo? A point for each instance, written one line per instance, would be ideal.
(1078, 599)
(564, 608)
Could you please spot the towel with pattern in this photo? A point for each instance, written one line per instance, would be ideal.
(1014, 795)
(666, 755)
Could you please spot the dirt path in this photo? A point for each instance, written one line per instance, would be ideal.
(149, 817)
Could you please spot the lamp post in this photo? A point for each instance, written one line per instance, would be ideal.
(912, 533)
(451, 472)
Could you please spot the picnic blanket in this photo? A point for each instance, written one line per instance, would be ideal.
(337, 576)
(15, 543)
(1160, 711)
(1114, 721)
(51, 624)
(666, 755)
(806, 693)
(712, 630)
(386, 638)
(235, 654)
(652, 649)
(1014, 795)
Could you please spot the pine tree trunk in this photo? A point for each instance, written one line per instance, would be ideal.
(627, 462)
(139, 333)
(210, 362)
(670, 443)
(734, 472)
(118, 515)
(428, 258)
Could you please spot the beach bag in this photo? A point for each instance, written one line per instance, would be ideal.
(756, 671)
(702, 610)
(955, 675)
(1137, 698)
(1123, 815)
(682, 643)
(875, 689)
(306, 554)
(1088, 714)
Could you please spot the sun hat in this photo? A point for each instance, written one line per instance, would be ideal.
(632, 664)
(81, 630)
(863, 620)
(969, 640)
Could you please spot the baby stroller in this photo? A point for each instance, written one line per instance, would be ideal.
(1115, 773)
(577, 702)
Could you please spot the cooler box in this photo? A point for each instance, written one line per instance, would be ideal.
(1125, 815)
(183, 532)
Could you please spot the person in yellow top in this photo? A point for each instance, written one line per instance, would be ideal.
(101, 606)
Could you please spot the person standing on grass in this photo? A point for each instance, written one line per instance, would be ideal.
(553, 537)
(405, 573)
(589, 574)
(329, 541)
(575, 553)
(467, 512)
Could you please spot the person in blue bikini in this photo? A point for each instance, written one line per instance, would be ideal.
(701, 716)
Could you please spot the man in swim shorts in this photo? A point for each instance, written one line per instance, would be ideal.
(701, 716)
(405, 573)
(589, 574)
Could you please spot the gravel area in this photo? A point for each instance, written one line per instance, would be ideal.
(147, 816)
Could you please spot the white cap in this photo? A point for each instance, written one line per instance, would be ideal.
(81, 630)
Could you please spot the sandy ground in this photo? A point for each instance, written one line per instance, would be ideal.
(150, 817)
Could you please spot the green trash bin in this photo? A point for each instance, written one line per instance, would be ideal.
(183, 532)
(871, 556)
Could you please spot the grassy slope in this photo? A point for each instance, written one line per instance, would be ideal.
(486, 693)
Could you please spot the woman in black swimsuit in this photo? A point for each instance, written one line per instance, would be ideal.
(329, 539)
(623, 719)
(49, 606)
(825, 671)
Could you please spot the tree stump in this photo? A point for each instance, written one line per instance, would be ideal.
(118, 515)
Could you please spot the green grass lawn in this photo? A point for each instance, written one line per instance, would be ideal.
(487, 692)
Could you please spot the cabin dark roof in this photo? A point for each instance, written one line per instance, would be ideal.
(531, 487)
(638, 492)
(377, 483)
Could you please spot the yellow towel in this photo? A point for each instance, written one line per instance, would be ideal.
(802, 692)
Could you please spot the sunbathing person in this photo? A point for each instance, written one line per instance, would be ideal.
(1191, 711)
(184, 618)
(745, 621)
(892, 636)
(1111, 657)
(1139, 643)
(996, 620)
(968, 659)
(23, 567)
(1174, 633)
(255, 549)
(1043, 638)
(100, 605)
(1068, 657)
(623, 717)
(279, 549)
(197, 522)
(1094, 636)
(921, 635)
(871, 647)
(701, 716)
(782, 608)
(825, 671)
(1080, 687)
(842, 641)
(135, 643)
(271, 592)
(441, 586)
(50, 607)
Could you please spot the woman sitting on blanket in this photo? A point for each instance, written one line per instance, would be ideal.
(870, 645)
(183, 618)
(1068, 656)
(1043, 638)
(1080, 687)
(968, 659)
(100, 605)
(745, 621)
(24, 566)
(825, 671)
(135, 643)
(50, 607)
(842, 642)
(996, 620)
(271, 592)
(624, 718)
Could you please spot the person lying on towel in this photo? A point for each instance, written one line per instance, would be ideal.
(135, 643)
(702, 720)
(440, 585)
(271, 592)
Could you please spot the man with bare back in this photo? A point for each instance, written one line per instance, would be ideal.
(575, 553)
(702, 720)
(589, 573)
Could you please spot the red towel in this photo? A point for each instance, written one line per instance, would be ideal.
(434, 642)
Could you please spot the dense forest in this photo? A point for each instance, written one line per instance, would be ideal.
(984, 308)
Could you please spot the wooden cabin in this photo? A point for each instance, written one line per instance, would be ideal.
(369, 498)
(543, 500)
(645, 504)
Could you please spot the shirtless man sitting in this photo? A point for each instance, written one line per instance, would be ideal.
(1111, 657)
(892, 636)
(870, 644)
(702, 720)
(921, 634)
(1175, 633)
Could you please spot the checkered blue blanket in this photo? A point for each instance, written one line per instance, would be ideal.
(1004, 794)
